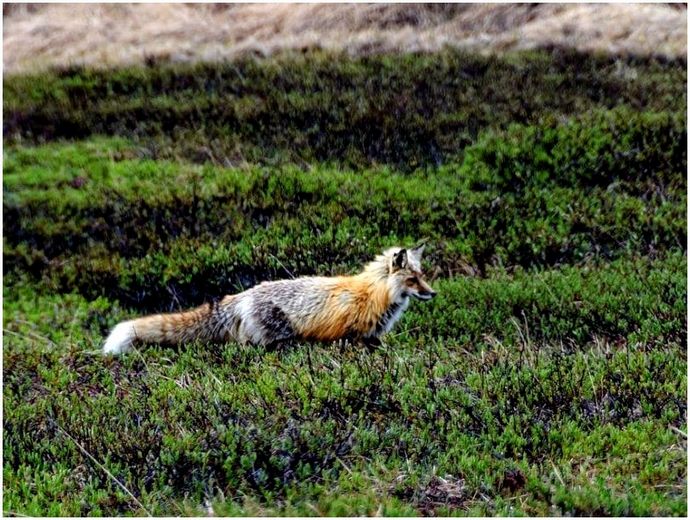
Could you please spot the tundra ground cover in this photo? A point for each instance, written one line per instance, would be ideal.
(547, 377)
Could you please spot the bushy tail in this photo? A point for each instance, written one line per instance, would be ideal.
(201, 323)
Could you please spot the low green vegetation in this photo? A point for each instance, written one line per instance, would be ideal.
(405, 110)
(93, 217)
(548, 377)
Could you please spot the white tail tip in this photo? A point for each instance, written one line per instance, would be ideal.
(120, 339)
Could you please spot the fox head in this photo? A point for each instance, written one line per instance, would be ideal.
(406, 266)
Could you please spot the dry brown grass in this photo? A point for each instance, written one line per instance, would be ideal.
(39, 36)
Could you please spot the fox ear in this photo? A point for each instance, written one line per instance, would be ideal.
(399, 260)
(418, 249)
(416, 252)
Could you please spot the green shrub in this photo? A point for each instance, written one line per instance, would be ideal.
(288, 427)
(79, 216)
(406, 110)
(548, 377)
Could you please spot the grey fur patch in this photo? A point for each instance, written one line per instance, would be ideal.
(298, 299)
(275, 322)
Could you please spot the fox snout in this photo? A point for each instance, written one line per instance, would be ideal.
(424, 290)
(425, 295)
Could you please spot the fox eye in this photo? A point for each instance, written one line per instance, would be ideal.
(413, 279)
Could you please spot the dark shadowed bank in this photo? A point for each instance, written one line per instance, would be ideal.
(547, 378)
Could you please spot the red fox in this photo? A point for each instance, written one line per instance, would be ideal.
(359, 307)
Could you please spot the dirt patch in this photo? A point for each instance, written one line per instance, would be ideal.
(103, 35)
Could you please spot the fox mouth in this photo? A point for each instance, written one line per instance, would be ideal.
(424, 296)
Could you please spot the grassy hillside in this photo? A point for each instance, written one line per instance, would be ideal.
(548, 377)
(409, 110)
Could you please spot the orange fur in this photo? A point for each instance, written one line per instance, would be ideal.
(354, 306)
(174, 328)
